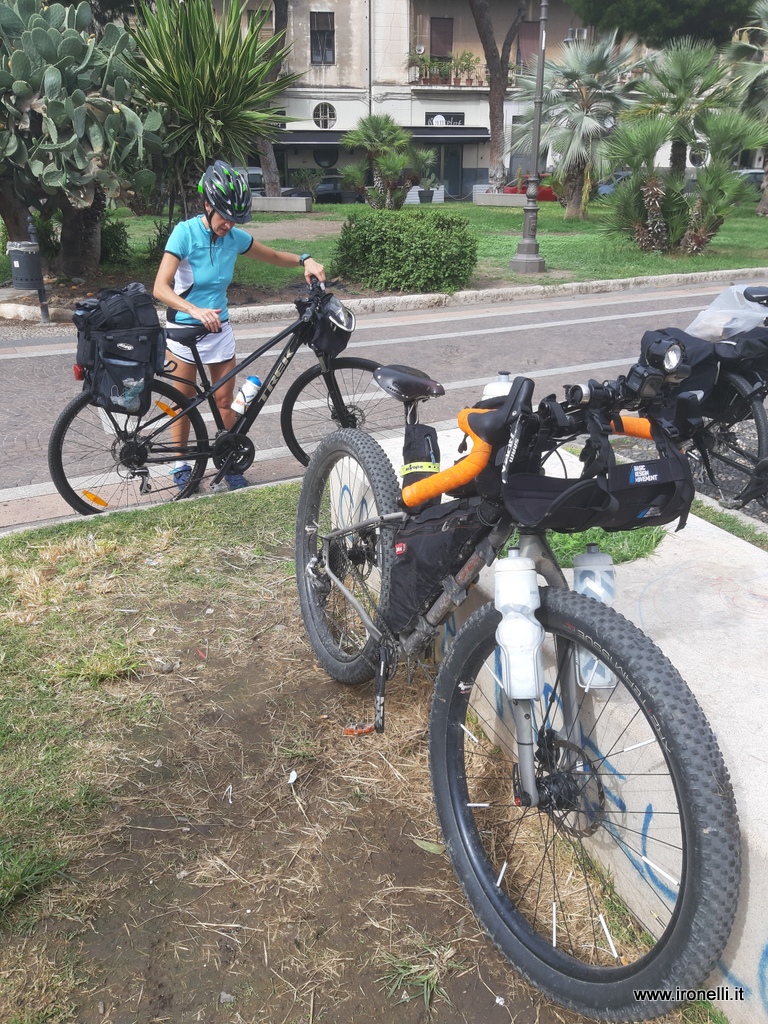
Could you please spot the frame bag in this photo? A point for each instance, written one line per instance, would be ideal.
(430, 546)
(121, 345)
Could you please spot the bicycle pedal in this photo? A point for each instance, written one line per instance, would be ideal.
(359, 729)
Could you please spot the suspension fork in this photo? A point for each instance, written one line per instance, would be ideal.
(535, 545)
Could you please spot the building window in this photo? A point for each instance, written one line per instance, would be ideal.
(322, 37)
(324, 115)
(440, 37)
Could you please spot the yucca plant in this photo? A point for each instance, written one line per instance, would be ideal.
(210, 79)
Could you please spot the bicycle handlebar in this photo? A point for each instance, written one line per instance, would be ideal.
(454, 476)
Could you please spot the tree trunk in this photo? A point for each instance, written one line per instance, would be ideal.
(80, 241)
(677, 156)
(498, 75)
(14, 213)
(573, 194)
(762, 206)
(268, 167)
(264, 147)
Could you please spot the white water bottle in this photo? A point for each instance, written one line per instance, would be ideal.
(593, 575)
(499, 387)
(245, 394)
(519, 634)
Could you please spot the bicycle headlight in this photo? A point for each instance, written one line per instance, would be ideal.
(665, 354)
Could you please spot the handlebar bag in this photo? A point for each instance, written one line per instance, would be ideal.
(614, 497)
(430, 546)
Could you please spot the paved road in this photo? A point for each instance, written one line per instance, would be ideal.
(556, 340)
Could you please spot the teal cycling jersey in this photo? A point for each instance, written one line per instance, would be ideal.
(205, 271)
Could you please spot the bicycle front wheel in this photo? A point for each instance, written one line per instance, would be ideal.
(310, 412)
(349, 480)
(101, 461)
(735, 437)
(626, 875)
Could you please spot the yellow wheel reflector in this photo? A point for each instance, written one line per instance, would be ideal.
(167, 409)
(95, 499)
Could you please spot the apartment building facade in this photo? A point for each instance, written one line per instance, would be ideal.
(401, 57)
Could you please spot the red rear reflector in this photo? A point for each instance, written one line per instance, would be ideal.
(79, 372)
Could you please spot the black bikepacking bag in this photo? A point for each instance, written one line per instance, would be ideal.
(613, 496)
(430, 546)
(421, 456)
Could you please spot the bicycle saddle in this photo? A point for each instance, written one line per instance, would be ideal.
(407, 384)
(757, 294)
(187, 335)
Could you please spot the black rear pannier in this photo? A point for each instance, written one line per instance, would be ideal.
(121, 344)
(430, 546)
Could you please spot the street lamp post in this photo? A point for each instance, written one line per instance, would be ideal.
(527, 259)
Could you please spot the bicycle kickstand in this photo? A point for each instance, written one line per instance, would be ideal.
(380, 682)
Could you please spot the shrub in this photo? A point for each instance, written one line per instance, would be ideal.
(156, 245)
(414, 250)
(115, 242)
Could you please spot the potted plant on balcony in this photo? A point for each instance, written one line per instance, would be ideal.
(469, 65)
(457, 68)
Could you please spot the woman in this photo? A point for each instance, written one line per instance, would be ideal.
(192, 280)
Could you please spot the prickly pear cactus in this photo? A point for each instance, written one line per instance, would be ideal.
(66, 120)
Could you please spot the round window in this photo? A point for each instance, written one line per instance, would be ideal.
(324, 115)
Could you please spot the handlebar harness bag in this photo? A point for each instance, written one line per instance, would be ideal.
(612, 496)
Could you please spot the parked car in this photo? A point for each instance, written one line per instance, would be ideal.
(546, 192)
(329, 190)
(753, 174)
(611, 182)
(255, 179)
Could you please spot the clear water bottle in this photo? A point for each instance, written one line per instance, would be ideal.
(519, 634)
(499, 387)
(593, 575)
(245, 394)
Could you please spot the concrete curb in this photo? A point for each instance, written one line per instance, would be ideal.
(403, 303)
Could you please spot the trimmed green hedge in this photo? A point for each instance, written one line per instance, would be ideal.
(408, 250)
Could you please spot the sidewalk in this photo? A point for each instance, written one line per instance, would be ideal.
(12, 306)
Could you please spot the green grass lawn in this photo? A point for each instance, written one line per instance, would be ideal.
(572, 250)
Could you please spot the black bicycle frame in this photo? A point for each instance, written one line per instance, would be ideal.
(247, 419)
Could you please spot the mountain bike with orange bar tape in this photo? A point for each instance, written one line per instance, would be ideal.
(582, 797)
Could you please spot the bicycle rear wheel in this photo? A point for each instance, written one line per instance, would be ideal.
(735, 438)
(626, 875)
(101, 461)
(349, 480)
(308, 413)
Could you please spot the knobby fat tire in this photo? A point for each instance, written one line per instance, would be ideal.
(704, 910)
(335, 631)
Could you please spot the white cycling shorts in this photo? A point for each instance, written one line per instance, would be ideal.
(214, 348)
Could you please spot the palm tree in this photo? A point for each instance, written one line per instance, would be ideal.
(685, 80)
(584, 92)
(652, 206)
(389, 156)
(749, 51)
(211, 78)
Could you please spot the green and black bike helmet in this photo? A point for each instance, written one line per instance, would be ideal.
(227, 191)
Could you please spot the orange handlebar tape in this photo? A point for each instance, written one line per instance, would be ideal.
(632, 426)
(453, 476)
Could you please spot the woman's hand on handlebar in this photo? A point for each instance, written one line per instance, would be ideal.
(313, 269)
